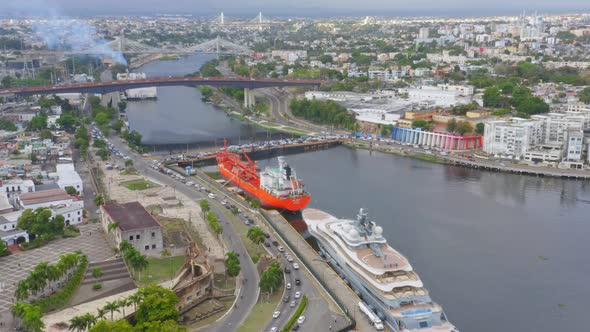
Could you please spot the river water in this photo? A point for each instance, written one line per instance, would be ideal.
(499, 252)
(178, 119)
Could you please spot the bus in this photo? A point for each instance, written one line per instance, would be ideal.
(375, 321)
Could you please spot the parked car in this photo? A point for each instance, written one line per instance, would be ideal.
(274, 329)
(211, 195)
(301, 319)
(287, 270)
(292, 304)
(286, 299)
(275, 243)
(296, 266)
(297, 294)
(266, 244)
(288, 285)
(281, 249)
(276, 314)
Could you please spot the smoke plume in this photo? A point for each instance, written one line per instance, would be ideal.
(59, 32)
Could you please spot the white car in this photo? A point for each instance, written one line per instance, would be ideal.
(296, 266)
(288, 285)
(274, 329)
(297, 295)
(289, 258)
(276, 314)
(212, 195)
(281, 249)
(301, 319)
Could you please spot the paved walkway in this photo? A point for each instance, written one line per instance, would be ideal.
(16, 267)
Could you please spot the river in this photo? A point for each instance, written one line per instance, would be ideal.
(500, 252)
(178, 119)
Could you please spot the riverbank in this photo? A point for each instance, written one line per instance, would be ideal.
(493, 166)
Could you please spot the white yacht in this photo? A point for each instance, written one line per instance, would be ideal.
(380, 275)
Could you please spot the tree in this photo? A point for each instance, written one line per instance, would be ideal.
(7, 82)
(99, 143)
(492, 97)
(3, 248)
(480, 128)
(82, 323)
(135, 299)
(464, 127)
(139, 263)
(118, 125)
(30, 315)
(99, 200)
(7, 125)
(38, 122)
(271, 278)
(232, 264)
(102, 119)
(204, 206)
(256, 235)
(97, 272)
(584, 95)
(71, 190)
(128, 162)
(67, 122)
(45, 134)
(104, 154)
(422, 124)
(452, 125)
(111, 307)
(120, 325)
(39, 222)
(159, 326)
(158, 304)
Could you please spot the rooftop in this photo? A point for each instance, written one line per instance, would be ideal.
(130, 216)
(45, 196)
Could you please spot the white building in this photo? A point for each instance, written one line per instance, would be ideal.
(510, 139)
(575, 145)
(376, 116)
(578, 107)
(424, 33)
(68, 177)
(58, 201)
(439, 96)
(17, 186)
(10, 234)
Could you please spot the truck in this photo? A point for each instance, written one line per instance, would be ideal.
(375, 321)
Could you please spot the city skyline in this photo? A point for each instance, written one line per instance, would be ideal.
(448, 8)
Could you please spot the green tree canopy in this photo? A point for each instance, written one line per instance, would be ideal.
(158, 305)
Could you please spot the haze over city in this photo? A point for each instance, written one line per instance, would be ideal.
(313, 165)
(325, 8)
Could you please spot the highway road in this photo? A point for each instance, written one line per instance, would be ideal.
(319, 316)
(249, 290)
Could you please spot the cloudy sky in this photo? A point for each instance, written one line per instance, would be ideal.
(290, 8)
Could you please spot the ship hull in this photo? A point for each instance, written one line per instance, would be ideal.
(266, 199)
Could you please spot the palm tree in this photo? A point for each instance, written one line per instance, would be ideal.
(112, 307)
(22, 290)
(77, 324)
(256, 235)
(99, 200)
(112, 226)
(135, 298)
(139, 263)
(89, 319)
(123, 303)
(53, 273)
(101, 313)
(125, 246)
(30, 316)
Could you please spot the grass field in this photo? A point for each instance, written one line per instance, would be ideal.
(140, 184)
(160, 269)
(261, 313)
(214, 175)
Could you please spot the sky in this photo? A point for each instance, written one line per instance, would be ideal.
(291, 8)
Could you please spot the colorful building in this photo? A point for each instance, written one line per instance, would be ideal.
(439, 140)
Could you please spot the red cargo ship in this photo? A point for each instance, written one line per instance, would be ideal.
(274, 187)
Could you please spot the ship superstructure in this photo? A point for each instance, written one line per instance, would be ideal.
(275, 187)
(379, 274)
